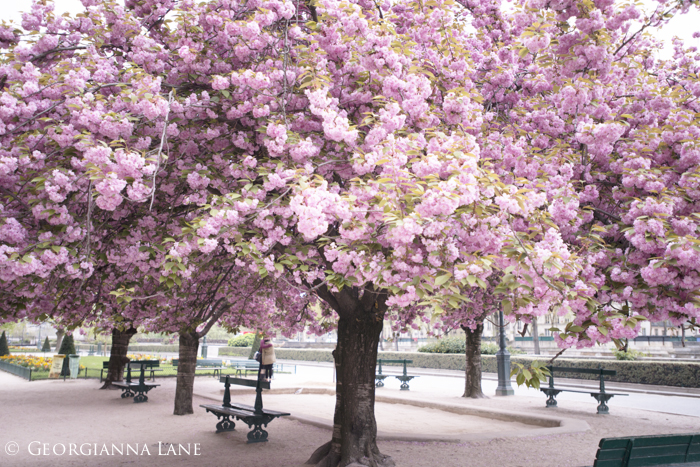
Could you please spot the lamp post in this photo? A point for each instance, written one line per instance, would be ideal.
(503, 360)
(204, 347)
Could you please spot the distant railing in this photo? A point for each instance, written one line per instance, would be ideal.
(529, 338)
(16, 370)
(650, 339)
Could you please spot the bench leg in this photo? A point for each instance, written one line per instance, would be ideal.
(602, 405)
(127, 393)
(257, 434)
(225, 424)
(551, 401)
(404, 386)
(379, 384)
(141, 397)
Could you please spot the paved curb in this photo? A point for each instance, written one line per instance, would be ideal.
(545, 425)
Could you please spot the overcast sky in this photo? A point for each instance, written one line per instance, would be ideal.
(682, 26)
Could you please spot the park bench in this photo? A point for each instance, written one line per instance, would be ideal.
(404, 378)
(243, 367)
(656, 450)
(152, 366)
(253, 416)
(215, 365)
(136, 390)
(601, 396)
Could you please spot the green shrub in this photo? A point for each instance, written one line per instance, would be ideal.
(67, 346)
(457, 344)
(4, 348)
(244, 340)
(630, 354)
(47, 346)
(452, 344)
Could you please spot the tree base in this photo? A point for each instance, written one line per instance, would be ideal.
(326, 457)
(109, 385)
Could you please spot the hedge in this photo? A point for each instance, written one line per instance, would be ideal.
(147, 348)
(682, 374)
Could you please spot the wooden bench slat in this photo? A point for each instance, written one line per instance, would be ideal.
(608, 463)
(613, 443)
(245, 382)
(658, 451)
(643, 441)
(616, 453)
(651, 461)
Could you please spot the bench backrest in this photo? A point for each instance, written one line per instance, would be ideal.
(648, 450)
(145, 363)
(385, 361)
(245, 382)
(589, 371)
(176, 362)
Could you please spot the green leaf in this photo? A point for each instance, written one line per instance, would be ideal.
(442, 279)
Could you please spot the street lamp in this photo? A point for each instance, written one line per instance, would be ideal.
(503, 360)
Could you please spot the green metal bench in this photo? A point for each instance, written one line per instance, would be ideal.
(253, 416)
(136, 390)
(153, 366)
(215, 365)
(657, 450)
(601, 395)
(404, 378)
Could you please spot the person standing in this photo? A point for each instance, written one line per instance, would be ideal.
(267, 359)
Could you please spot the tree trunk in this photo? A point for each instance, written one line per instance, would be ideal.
(682, 335)
(536, 336)
(354, 440)
(59, 338)
(472, 380)
(117, 357)
(255, 347)
(189, 344)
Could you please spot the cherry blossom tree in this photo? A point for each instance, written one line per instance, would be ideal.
(370, 155)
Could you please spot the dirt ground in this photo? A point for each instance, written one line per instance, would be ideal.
(73, 423)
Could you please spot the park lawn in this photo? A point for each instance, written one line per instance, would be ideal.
(93, 367)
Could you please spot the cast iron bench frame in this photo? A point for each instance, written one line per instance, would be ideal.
(255, 416)
(601, 396)
(152, 368)
(655, 450)
(404, 378)
(136, 390)
(205, 365)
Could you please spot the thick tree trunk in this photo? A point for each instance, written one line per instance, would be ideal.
(117, 357)
(354, 441)
(472, 373)
(536, 336)
(189, 344)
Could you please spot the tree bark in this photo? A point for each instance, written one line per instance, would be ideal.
(189, 344)
(255, 347)
(117, 357)
(354, 440)
(472, 373)
(59, 338)
(536, 336)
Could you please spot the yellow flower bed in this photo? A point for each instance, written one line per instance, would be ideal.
(29, 361)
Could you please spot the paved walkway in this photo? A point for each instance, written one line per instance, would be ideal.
(414, 425)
